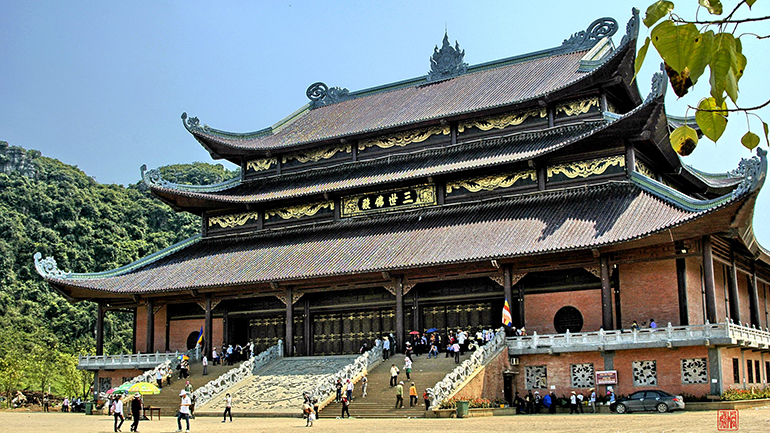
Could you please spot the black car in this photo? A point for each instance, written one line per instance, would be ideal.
(652, 399)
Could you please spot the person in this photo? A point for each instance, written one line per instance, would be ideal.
(315, 409)
(611, 396)
(530, 399)
(580, 398)
(188, 387)
(345, 407)
(364, 382)
(136, 411)
(45, 402)
(117, 412)
(307, 409)
(338, 386)
(228, 408)
(349, 391)
(385, 347)
(461, 341)
(634, 326)
(554, 402)
(393, 375)
(653, 325)
(538, 401)
(408, 367)
(426, 399)
(184, 411)
(519, 403)
(168, 376)
(205, 364)
(548, 401)
(573, 407)
(433, 351)
(214, 356)
(412, 395)
(65, 405)
(409, 351)
(400, 395)
(456, 350)
(159, 378)
(592, 400)
(364, 348)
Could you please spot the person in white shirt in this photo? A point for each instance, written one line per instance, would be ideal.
(117, 410)
(184, 411)
(228, 408)
(393, 375)
(349, 390)
(364, 382)
(205, 364)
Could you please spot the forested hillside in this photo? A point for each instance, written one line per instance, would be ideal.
(56, 209)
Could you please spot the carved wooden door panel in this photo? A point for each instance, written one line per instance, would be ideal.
(266, 331)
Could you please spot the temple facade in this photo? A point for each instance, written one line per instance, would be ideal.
(545, 179)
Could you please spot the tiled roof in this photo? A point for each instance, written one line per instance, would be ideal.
(551, 221)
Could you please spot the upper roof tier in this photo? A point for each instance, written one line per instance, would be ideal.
(452, 90)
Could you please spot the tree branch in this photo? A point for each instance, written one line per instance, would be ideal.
(721, 22)
(721, 110)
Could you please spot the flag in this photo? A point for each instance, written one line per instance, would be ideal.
(200, 337)
(507, 319)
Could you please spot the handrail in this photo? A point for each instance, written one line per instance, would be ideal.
(324, 387)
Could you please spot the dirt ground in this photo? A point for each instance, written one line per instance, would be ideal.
(750, 420)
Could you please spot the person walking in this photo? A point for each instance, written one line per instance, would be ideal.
(364, 382)
(228, 408)
(400, 395)
(580, 398)
(349, 391)
(426, 399)
(408, 367)
(412, 395)
(184, 411)
(205, 364)
(456, 350)
(573, 407)
(136, 411)
(345, 407)
(393, 375)
(159, 378)
(592, 400)
(117, 411)
(46, 402)
(385, 347)
(307, 412)
(338, 387)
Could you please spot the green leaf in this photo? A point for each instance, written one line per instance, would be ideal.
(683, 140)
(674, 43)
(750, 3)
(714, 6)
(767, 140)
(711, 123)
(700, 55)
(640, 57)
(722, 75)
(656, 11)
(750, 140)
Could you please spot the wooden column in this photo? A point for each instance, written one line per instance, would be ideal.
(520, 307)
(606, 293)
(615, 282)
(542, 175)
(289, 342)
(416, 312)
(754, 298)
(399, 313)
(208, 328)
(150, 326)
(508, 290)
(681, 283)
(307, 328)
(99, 330)
(630, 158)
(708, 280)
(732, 289)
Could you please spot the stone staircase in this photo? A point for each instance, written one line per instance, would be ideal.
(381, 398)
(168, 400)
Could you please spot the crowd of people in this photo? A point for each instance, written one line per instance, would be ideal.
(533, 403)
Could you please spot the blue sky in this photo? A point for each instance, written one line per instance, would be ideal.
(101, 85)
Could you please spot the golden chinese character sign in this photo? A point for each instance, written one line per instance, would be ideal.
(383, 201)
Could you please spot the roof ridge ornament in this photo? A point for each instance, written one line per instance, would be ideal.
(659, 85)
(47, 267)
(447, 62)
(321, 95)
(154, 177)
(632, 27)
(752, 171)
(586, 39)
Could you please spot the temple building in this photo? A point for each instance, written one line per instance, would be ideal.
(545, 179)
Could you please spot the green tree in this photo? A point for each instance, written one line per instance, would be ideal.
(688, 47)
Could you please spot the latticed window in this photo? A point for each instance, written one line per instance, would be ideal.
(645, 373)
(694, 370)
(736, 370)
(536, 376)
(582, 375)
(750, 371)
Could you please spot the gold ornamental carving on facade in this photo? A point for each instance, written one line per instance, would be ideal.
(299, 211)
(258, 165)
(581, 106)
(643, 169)
(503, 121)
(315, 155)
(231, 221)
(491, 182)
(588, 168)
(395, 199)
(404, 138)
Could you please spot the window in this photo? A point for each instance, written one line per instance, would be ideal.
(750, 371)
(535, 377)
(694, 370)
(582, 375)
(736, 371)
(568, 318)
(767, 371)
(757, 371)
(645, 373)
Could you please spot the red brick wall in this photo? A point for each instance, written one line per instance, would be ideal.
(695, 306)
(180, 329)
(668, 365)
(489, 383)
(649, 290)
(118, 375)
(540, 309)
(743, 356)
(141, 329)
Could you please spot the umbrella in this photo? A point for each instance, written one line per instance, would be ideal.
(432, 330)
(144, 388)
(122, 389)
(414, 333)
(110, 391)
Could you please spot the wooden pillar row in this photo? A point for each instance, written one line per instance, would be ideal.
(399, 313)
(708, 280)
(732, 289)
(606, 293)
(289, 343)
(208, 328)
(99, 329)
(150, 347)
(754, 298)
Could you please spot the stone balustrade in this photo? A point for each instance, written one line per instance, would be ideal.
(128, 361)
(725, 333)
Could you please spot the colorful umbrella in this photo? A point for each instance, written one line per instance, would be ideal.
(144, 388)
(122, 389)
(414, 333)
(432, 330)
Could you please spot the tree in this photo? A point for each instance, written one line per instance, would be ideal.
(687, 47)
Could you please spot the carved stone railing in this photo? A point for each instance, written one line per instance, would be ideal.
(233, 376)
(725, 333)
(324, 388)
(115, 362)
(449, 384)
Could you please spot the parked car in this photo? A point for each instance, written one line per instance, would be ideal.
(651, 399)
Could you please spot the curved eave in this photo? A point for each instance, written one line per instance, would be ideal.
(235, 146)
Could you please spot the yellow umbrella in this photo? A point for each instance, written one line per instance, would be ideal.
(144, 388)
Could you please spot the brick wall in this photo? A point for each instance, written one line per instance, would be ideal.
(179, 330)
(649, 290)
(728, 354)
(488, 383)
(558, 374)
(540, 309)
(695, 307)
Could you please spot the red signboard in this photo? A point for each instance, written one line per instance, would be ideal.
(609, 377)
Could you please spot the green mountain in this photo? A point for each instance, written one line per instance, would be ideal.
(49, 207)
